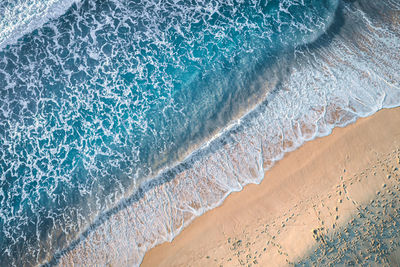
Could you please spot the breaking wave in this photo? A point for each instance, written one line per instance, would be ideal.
(121, 121)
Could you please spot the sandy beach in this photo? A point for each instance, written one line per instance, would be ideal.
(333, 200)
(199, 133)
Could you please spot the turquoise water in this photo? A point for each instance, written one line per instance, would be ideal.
(100, 99)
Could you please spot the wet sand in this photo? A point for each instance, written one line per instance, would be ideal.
(334, 200)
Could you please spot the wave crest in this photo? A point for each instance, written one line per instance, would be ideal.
(23, 16)
(343, 76)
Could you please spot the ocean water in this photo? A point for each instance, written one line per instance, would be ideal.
(19, 17)
(122, 120)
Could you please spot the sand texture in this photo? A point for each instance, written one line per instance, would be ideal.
(335, 200)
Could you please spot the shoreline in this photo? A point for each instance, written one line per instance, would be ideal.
(281, 220)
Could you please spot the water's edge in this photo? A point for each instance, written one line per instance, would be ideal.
(262, 154)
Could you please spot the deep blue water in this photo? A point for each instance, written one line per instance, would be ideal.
(103, 97)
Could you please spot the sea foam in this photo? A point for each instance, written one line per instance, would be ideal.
(351, 72)
(97, 102)
(121, 121)
(23, 16)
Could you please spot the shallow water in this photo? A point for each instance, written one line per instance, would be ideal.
(120, 123)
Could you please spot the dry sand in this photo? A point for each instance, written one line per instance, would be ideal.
(334, 200)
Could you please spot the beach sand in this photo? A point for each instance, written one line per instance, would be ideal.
(333, 200)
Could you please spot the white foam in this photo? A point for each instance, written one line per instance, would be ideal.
(354, 76)
(23, 16)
